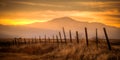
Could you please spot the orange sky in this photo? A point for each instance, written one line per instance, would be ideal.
(26, 12)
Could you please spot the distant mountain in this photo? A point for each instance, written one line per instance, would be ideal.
(64, 22)
(71, 24)
(54, 26)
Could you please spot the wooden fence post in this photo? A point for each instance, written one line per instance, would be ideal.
(45, 39)
(70, 36)
(64, 35)
(32, 41)
(29, 41)
(57, 39)
(60, 37)
(53, 39)
(86, 36)
(109, 46)
(96, 38)
(15, 42)
(25, 41)
(39, 39)
(77, 36)
(35, 40)
(49, 39)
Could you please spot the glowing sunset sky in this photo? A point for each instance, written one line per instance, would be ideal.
(20, 12)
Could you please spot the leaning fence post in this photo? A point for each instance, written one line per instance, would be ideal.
(29, 41)
(109, 46)
(60, 37)
(96, 38)
(49, 39)
(15, 41)
(77, 36)
(35, 40)
(18, 41)
(24, 40)
(57, 39)
(39, 39)
(45, 39)
(70, 36)
(32, 40)
(86, 36)
(64, 35)
(53, 39)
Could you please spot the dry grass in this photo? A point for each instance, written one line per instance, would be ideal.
(61, 51)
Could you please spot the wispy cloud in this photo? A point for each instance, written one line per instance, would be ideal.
(61, 5)
(35, 4)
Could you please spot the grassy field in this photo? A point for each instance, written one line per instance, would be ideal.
(62, 51)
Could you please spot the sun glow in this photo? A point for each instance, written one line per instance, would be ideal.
(18, 21)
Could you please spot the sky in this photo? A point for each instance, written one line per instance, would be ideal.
(20, 12)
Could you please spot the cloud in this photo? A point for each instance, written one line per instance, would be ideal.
(35, 4)
(60, 5)
(85, 10)
(41, 15)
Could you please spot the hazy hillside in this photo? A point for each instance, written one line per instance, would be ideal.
(71, 24)
(54, 26)
(22, 31)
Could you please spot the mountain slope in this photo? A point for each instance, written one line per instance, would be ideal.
(71, 24)
(52, 27)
